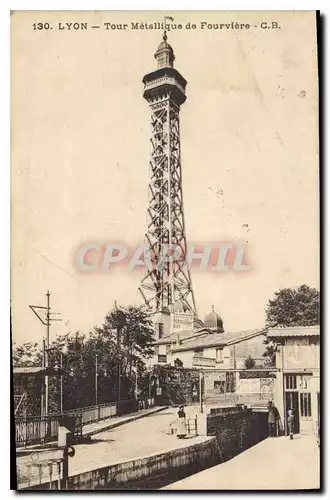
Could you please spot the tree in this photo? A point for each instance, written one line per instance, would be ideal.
(27, 354)
(291, 307)
(133, 329)
(95, 357)
(270, 353)
(178, 363)
(249, 363)
(294, 307)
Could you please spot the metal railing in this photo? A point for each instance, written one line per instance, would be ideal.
(91, 414)
(37, 429)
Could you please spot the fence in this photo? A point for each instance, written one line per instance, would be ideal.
(32, 430)
(36, 429)
(91, 414)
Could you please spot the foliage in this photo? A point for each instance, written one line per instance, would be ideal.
(176, 384)
(27, 354)
(270, 353)
(294, 307)
(133, 329)
(291, 307)
(93, 360)
(249, 363)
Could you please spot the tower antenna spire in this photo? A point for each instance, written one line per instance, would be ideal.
(167, 18)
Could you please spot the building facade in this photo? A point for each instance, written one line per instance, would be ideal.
(206, 345)
(298, 375)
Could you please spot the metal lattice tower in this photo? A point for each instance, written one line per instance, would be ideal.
(165, 285)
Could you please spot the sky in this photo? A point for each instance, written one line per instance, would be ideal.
(80, 159)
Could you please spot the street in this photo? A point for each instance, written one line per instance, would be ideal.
(272, 464)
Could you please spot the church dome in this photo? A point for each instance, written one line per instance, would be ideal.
(214, 322)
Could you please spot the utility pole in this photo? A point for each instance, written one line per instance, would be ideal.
(61, 383)
(45, 343)
(119, 361)
(96, 379)
(47, 347)
(42, 386)
(136, 381)
(200, 390)
(119, 364)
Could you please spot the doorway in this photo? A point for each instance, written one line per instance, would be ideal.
(291, 401)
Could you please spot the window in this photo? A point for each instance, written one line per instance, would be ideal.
(303, 384)
(160, 330)
(161, 358)
(198, 352)
(219, 355)
(290, 382)
(219, 385)
(305, 404)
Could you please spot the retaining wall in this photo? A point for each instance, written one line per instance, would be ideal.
(236, 429)
(183, 461)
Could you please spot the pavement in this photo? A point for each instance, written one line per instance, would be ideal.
(96, 427)
(113, 422)
(133, 440)
(272, 464)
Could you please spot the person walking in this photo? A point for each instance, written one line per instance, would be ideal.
(182, 428)
(273, 418)
(290, 423)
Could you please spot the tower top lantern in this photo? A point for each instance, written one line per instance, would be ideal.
(164, 54)
(165, 81)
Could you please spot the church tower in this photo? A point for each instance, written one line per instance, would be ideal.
(167, 287)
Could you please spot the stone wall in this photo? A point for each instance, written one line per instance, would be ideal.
(173, 464)
(236, 429)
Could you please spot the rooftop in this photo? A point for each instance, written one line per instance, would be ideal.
(294, 331)
(183, 335)
(36, 370)
(27, 369)
(217, 339)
